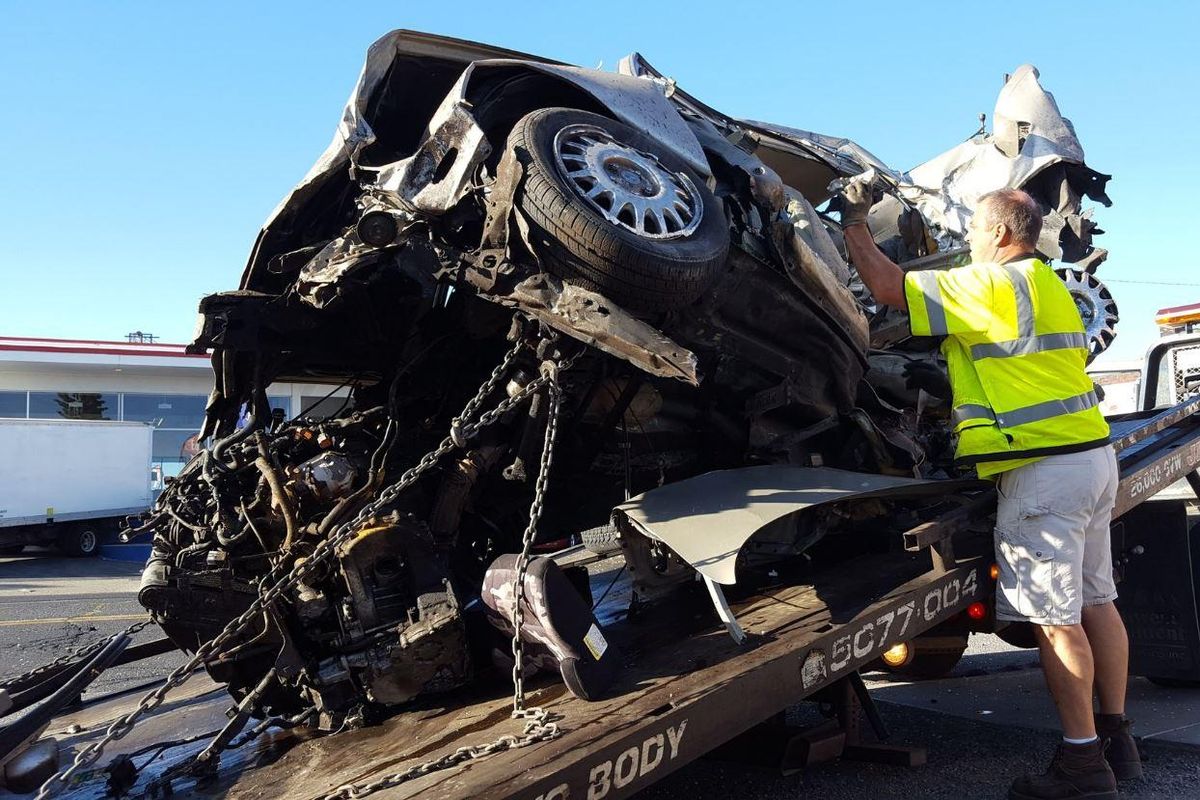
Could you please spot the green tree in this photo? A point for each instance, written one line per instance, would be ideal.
(79, 405)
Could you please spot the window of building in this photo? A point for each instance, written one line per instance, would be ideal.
(12, 405)
(173, 447)
(176, 419)
(166, 410)
(72, 405)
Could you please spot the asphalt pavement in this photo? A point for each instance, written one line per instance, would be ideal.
(987, 722)
(984, 724)
(50, 605)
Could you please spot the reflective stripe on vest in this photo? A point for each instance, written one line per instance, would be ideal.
(933, 303)
(1028, 344)
(1020, 285)
(1020, 416)
(1050, 408)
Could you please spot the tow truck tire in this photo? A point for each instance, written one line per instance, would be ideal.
(597, 242)
(1018, 634)
(930, 666)
(80, 541)
(1174, 683)
(11, 550)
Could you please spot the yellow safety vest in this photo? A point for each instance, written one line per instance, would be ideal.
(1016, 351)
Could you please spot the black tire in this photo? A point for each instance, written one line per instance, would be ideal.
(1018, 634)
(80, 541)
(576, 242)
(930, 666)
(1174, 683)
(603, 541)
(11, 550)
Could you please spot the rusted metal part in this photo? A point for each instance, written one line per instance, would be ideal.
(594, 320)
(944, 527)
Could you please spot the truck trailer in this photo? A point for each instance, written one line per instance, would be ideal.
(68, 482)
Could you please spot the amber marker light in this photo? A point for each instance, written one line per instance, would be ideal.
(897, 655)
(994, 571)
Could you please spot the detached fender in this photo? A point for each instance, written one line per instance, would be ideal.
(706, 520)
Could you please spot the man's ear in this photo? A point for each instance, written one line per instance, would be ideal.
(1003, 235)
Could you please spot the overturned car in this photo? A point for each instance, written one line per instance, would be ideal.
(561, 288)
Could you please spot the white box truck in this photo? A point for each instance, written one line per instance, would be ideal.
(65, 482)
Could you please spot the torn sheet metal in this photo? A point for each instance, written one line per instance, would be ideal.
(641, 104)
(593, 319)
(435, 177)
(1029, 136)
(845, 156)
(707, 519)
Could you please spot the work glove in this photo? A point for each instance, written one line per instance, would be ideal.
(928, 377)
(857, 198)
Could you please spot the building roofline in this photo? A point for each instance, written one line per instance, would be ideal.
(1172, 309)
(95, 347)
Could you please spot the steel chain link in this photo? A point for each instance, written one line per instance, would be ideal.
(535, 513)
(80, 654)
(268, 596)
(538, 725)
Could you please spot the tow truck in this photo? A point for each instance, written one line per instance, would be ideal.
(690, 688)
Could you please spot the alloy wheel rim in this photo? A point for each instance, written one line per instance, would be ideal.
(628, 187)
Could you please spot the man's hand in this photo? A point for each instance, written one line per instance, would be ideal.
(927, 376)
(857, 199)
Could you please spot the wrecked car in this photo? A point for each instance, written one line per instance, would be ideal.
(496, 247)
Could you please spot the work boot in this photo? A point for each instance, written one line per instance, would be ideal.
(1120, 748)
(1077, 771)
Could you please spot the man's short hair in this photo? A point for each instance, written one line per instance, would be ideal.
(1015, 210)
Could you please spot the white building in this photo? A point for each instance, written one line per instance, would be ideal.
(156, 383)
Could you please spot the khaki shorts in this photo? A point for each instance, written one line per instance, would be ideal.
(1052, 538)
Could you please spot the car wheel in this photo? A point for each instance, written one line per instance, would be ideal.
(612, 210)
(80, 541)
(603, 541)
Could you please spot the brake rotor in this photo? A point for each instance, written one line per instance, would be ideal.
(1096, 307)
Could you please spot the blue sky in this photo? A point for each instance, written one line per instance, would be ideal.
(143, 144)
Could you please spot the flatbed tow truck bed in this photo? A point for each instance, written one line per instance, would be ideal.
(687, 688)
(680, 696)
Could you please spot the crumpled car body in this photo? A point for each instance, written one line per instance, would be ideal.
(688, 266)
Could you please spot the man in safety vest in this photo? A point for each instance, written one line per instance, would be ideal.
(1026, 416)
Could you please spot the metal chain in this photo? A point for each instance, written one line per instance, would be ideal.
(268, 595)
(80, 654)
(538, 725)
(535, 514)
